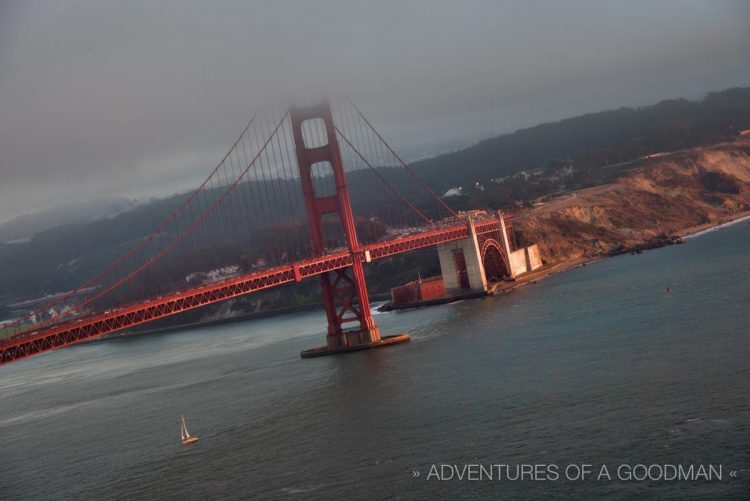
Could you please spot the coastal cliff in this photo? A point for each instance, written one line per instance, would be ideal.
(656, 201)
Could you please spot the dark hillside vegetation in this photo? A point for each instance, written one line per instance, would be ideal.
(596, 139)
(569, 154)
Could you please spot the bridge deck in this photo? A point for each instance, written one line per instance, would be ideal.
(87, 327)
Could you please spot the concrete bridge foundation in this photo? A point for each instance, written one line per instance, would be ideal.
(462, 262)
(461, 265)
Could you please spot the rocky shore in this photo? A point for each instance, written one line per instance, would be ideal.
(653, 205)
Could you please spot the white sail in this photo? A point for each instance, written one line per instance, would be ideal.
(183, 429)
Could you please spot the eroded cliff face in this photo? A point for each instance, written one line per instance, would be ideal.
(664, 197)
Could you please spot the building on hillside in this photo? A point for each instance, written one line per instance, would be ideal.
(454, 192)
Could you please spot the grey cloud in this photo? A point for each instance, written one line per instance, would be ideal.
(142, 97)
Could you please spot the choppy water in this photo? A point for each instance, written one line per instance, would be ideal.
(597, 365)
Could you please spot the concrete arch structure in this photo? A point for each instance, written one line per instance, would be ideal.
(494, 260)
(469, 263)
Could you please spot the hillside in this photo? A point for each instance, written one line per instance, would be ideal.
(572, 154)
(28, 225)
(596, 139)
(665, 197)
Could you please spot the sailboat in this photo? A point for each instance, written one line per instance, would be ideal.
(184, 435)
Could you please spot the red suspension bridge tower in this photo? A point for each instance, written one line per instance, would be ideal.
(242, 231)
(350, 323)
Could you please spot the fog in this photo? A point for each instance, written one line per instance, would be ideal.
(141, 98)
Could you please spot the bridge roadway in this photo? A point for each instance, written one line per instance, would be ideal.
(79, 329)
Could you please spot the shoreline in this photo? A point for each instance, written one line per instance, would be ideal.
(497, 287)
(736, 218)
(562, 266)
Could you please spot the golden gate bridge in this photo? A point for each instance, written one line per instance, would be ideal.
(305, 191)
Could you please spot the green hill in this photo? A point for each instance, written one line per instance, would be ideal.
(595, 139)
(60, 258)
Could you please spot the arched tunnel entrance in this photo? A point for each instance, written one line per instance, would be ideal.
(494, 265)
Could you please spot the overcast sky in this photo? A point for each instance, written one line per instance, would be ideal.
(141, 98)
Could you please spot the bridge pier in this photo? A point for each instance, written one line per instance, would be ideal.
(467, 266)
(461, 265)
(344, 290)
